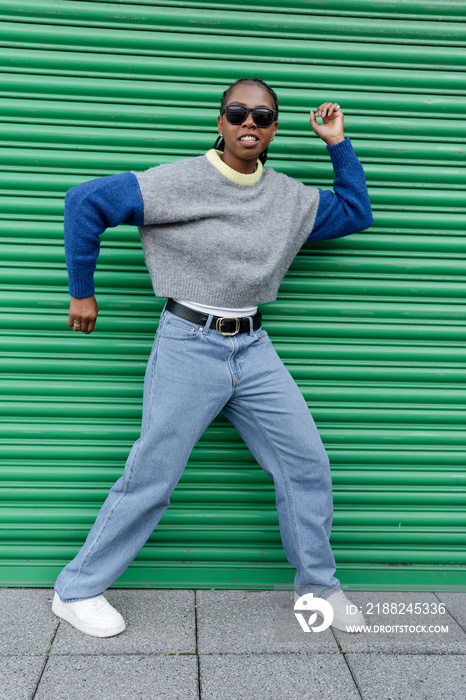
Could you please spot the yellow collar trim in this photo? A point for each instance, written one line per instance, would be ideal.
(213, 156)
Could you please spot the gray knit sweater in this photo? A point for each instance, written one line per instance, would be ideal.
(211, 240)
(210, 234)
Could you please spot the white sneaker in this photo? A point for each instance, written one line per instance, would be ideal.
(343, 619)
(94, 616)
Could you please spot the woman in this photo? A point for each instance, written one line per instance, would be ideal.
(219, 233)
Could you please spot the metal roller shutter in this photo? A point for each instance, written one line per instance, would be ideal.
(371, 326)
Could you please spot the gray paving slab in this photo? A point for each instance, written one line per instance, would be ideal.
(417, 677)
(295, 676)
(456, 605)
(19, 676)
(27, 622)
(106, 677)
(403, 632)
(254, 621)
(250, 645)
(157, 621)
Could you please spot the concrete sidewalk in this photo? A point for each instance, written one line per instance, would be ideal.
(232, 645)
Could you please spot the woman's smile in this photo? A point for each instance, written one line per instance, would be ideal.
(249, 140)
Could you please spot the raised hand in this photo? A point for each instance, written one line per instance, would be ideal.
(331, 131)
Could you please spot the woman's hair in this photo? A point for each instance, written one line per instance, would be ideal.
(220, 143)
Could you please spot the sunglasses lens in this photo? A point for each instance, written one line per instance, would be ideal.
(236, 114)
(263, 117)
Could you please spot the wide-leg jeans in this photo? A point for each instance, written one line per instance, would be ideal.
(194, 373)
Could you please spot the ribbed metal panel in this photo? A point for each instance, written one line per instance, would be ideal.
(371, 326)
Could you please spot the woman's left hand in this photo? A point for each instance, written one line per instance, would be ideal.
(331, 131)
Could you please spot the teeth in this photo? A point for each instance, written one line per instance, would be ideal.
(248, 138)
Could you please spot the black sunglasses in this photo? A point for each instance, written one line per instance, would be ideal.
(237, 114)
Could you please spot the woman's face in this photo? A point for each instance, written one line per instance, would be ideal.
(242, 155)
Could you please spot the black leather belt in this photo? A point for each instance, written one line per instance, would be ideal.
(222, 324)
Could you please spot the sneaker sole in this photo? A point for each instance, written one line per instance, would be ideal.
(59, 609)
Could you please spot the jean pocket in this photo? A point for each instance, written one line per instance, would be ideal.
(177, 328)
(261, 332)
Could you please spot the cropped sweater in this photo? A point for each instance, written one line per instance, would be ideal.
(210, 234)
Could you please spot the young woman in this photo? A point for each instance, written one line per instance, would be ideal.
(219, 232)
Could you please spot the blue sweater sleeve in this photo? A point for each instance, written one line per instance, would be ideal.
(347, 209)
(90, 208)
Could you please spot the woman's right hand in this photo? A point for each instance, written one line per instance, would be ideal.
(83, 314)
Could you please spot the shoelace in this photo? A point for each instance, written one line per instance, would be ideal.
(339, 597)
(97, 603)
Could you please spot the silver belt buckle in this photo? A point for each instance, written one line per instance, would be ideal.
(227, 318)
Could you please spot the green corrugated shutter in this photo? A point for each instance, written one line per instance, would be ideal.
(371, 326)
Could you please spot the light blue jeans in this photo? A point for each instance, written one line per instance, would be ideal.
(192, 374)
